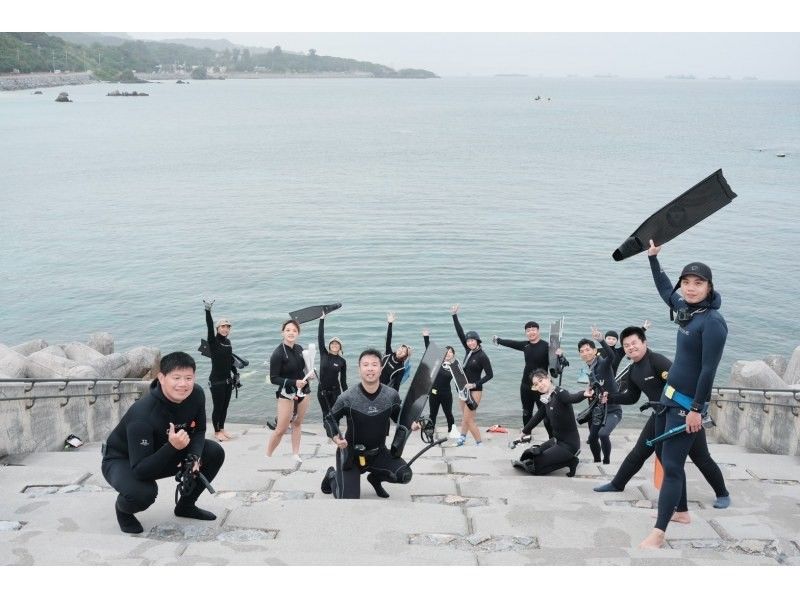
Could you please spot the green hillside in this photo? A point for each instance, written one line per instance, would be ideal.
(37, 52)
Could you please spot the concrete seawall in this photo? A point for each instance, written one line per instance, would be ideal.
(760, 420)
(39, 416)
(34, 80)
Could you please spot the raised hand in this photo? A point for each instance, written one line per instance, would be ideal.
(207, 303)
(391, 317)
(653, 249)
(494, 339)
(426, 332)
(596, 334)
(454, 309)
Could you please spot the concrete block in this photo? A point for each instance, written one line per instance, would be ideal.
(12, 363)
(102, 342)
(46, 364)
(30, 347)
(83, 354)
(792, 374)
(143, 362)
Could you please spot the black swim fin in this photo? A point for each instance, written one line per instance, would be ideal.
(679, 215)
(307, 314)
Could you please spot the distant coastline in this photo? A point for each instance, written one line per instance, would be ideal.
(17, 82)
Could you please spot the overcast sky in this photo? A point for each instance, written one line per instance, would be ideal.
(762, 55)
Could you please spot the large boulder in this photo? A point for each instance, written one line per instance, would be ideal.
(56, 350)
(143, 362)
(792, 374)
(44, 364)
(12, 363)
(102, 342)
(111, 366)
(777, 363)
(81, 353)
(755, 374)
(30, 347)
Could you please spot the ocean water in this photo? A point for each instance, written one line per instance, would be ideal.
(120, 213)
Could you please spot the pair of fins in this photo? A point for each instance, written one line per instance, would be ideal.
(679, 215)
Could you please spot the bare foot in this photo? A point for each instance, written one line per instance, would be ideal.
(677, 517)
(681, 517)
(654, 540)
(227, 436)
(220, 436)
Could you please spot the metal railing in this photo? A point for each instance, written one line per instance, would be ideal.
(92, 384)
(767, 394)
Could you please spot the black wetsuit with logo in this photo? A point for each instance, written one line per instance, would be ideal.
(649, 376)
(537, 356)
(332, 373)
(220, 381)
(367, 415)
(138, 452)
(702, 333)
(286, 367)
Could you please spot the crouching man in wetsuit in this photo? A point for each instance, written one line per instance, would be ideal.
(367, 407)
(564, 446)
(154, 438)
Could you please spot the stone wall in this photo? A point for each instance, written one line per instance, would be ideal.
(34, 80)
(40, 416)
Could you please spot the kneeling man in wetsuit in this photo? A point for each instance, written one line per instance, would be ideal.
(368, 406)
(155, 437)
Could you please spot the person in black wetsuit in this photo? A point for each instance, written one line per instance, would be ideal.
(478, 370)
(442, 390)
(367, 407)
(159, 431)
(393, 363)
(701, 340)
(648, 375)
(287, 372)
(223, 373)
(617, 353)
(332, 369)
(563, 447)
(601, 375)
(537, 357)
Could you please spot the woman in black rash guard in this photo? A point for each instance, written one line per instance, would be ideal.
(701, 340)
(478, 370)
(393, 362)
(332, 369)
(442, 390)
(286, 371)
(562, 449)
(220, 381)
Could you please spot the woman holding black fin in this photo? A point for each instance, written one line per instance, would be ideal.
(442, 390)
(332, 369)
(701, 341)
(393, 363)
(223, 373)
(478, 370)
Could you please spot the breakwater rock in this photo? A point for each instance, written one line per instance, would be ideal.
(94, 359)
(33, 80)
(761, 407)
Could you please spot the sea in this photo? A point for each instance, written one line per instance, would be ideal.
(121, 213)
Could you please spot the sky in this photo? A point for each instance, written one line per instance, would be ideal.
(627, 38)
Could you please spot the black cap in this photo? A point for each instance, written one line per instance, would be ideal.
(531, 324)
(474, 335)
(697, 269)
(612, 333)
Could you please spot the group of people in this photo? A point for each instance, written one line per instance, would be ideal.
(167, 427)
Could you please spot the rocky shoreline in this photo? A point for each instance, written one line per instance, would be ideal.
(94, 359)
(34, 80)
